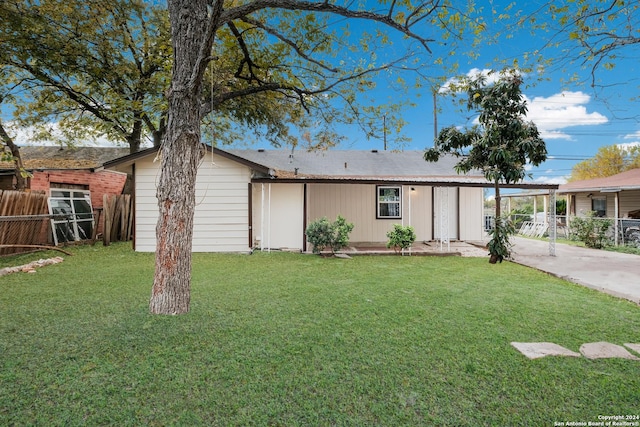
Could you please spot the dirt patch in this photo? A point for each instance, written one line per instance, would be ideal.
(536, 350)
(605, 350)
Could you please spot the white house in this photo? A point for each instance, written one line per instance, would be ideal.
(249, 199)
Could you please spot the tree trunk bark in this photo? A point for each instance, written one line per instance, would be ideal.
(180, 153)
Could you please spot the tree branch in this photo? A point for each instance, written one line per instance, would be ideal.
(284, 39)
(324, 7)
(204, 54)
(247, 56)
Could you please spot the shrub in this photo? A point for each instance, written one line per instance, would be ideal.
(591, 230)
(323, 234)
(401, 237)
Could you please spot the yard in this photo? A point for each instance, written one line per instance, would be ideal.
(290, 339)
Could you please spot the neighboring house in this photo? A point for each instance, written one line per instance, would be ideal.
(265, 198)
(613, 197)
(616, 197)
(70, 178)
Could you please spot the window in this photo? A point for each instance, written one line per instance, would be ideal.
(389, 202)
(599, 206)
(73, 215)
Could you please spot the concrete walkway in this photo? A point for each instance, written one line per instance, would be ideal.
(611, 272)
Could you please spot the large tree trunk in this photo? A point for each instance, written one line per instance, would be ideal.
(180, 153)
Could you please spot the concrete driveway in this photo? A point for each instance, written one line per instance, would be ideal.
(611, 272)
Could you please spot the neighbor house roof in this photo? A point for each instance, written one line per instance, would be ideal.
(629, 180)
(35, 158)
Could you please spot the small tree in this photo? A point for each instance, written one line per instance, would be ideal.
(400, 237)
(500, 146)
(323, 234)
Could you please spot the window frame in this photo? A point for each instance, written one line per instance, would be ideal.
(380, 202)
(602, 199)
(75, 224)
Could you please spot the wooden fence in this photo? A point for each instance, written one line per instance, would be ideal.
(24, 220)
(118, 218)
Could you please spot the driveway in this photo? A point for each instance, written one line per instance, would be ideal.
(611, 272)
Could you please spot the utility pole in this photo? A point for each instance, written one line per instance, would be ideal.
(435, 119)
(384, 131)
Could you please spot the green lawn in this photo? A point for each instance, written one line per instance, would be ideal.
(289, 339)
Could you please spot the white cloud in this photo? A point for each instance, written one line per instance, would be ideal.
(628, 145)
(551, 114)
(559, 111)
(634, 136)
(551, 180)
(454, 82)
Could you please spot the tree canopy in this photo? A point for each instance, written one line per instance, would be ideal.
(87, 68)
(585, 39)
(609, 160)
(288, 76)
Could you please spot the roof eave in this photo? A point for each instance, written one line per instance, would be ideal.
(131, 158)
(615, 189)
(428, 181)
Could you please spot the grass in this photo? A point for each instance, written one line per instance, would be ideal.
(289, 339)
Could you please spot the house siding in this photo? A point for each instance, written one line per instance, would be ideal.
(221, 217)
(628, 200)
(421, 213)
(357, 204)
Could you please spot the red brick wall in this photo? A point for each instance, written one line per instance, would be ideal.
(98, 183)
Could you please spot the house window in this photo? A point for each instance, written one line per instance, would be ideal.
(599, 206)
(389, 202)
(72, 215)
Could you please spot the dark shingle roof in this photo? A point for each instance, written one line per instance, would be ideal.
(353, 163)
(66, 157)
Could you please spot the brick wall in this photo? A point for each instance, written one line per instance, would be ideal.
(98, 183)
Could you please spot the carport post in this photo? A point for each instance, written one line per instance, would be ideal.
(552, 223)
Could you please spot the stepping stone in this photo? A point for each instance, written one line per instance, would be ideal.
(536, 350)
(634, 347)
(605, 350)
